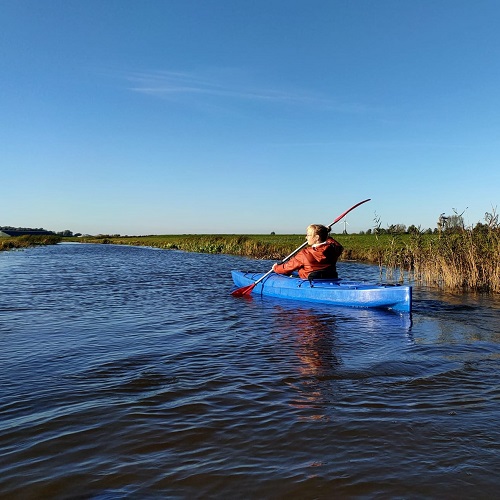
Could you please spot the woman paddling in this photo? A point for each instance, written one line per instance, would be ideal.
(316, 261)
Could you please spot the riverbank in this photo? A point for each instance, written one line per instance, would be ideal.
(26, 241)
(464, 260)
(467, 260)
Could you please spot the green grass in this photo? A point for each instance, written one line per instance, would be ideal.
(367, 248)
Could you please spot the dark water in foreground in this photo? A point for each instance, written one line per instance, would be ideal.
(133, 373)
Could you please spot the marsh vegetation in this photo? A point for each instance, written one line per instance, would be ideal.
(455, 258)
(458, 259)
(26, 241)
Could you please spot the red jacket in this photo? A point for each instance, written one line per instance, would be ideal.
(313, 258)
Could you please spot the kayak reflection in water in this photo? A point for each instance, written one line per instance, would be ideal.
(316, 261)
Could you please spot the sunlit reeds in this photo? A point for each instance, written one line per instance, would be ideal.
(256, 246)
(26, 241)
(465, 259)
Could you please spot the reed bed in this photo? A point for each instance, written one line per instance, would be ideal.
(26, 241)
(364, 248)
(255, 246)
(468, 259)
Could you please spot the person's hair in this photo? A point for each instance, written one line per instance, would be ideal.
(320, 230)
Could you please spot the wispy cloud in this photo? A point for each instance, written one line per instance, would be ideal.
(167, 83)
(226, 85)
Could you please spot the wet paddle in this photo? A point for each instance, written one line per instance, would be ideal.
(245, 290)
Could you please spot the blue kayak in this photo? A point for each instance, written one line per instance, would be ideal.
(328, 291)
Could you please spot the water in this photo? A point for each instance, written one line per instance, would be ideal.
(133, 373)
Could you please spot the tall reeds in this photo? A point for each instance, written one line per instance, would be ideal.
(465, 259)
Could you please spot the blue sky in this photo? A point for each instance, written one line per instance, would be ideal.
(236, 116)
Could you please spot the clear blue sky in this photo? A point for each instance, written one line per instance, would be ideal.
(237, 116)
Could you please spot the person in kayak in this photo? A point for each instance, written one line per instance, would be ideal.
(316, 261)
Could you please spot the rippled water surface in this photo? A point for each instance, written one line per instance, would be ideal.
(133, 373)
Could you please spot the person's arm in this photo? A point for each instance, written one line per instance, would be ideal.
(293, 264)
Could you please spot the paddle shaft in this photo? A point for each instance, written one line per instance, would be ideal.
(305, 242)
(284, 260)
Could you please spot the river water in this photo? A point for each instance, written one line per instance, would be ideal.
(133, 373)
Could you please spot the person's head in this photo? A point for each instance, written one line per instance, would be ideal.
(316, 233)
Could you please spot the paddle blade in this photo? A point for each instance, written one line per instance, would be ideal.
(244, 290)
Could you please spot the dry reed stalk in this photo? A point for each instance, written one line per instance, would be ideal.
(466, 260)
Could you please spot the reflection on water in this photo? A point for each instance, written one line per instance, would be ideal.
(312, 332)
(133, 373)
(312, 338)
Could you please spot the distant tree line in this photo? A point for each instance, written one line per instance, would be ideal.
(11, 228)
(446, 223)
(399, 229)
(66, 232)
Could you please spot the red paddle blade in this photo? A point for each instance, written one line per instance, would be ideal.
(244, 290)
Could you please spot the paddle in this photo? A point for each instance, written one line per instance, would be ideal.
(245, 290)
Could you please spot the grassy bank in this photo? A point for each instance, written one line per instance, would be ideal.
(468, 259)
(10, 243)
(259, 246)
